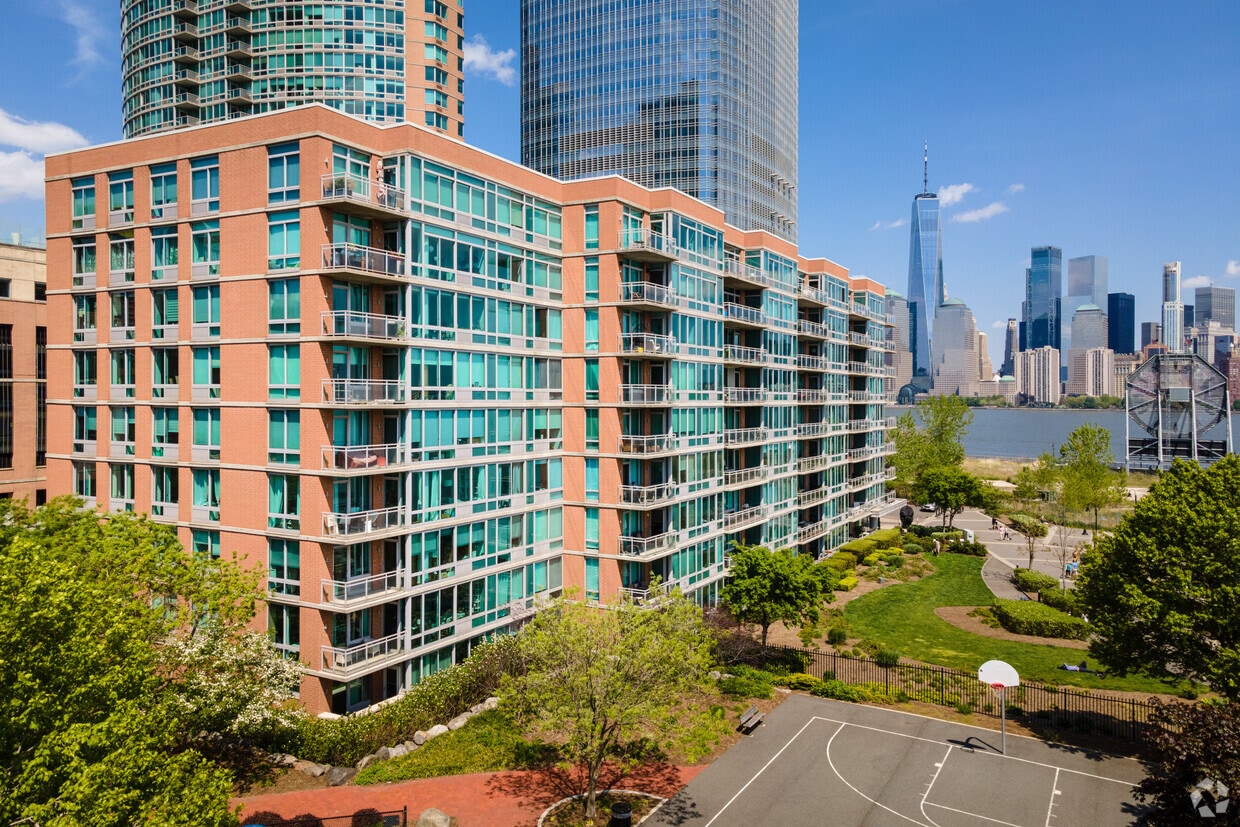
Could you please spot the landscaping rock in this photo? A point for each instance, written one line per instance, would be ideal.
(398, 751)
(310, 768)
(459, 721)
(382, 754)
(714, 675)
(419, 737)
(410, 746)
(339, 776)
(491, 703)
(434, 818)
(285, 760)
(478, 707)
(366, 761)
(436, 731)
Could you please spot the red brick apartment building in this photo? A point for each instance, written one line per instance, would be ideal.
(23, 372)
(422, 386)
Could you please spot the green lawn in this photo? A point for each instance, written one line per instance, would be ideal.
(902, 617)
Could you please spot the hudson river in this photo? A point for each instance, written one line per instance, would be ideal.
(1027, 432)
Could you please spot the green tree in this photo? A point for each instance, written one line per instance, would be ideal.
(1026, 487)
(1088, 482)
(937, 443)
(1162, 590)
(104, 626)
(951, 489)
(766, 586)
(596, 679)
(1189, 743)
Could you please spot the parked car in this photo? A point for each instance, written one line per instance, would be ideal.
(929, 507)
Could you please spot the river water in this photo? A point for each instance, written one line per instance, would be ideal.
(1027, 432)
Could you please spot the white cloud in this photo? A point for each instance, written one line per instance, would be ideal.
(953, 193)
(1195, 282)
(498, 65)
(1233, 268)
(36, 136)
(21, 176)
(1015, 188)
(999, 325)
(888, 225)
(89, 29)
(989, 211)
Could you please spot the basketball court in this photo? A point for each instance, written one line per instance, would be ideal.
(816, 761)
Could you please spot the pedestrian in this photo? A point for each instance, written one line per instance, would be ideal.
(994, 523)
(936, 548)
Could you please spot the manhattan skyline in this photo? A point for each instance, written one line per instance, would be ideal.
(1108, 135)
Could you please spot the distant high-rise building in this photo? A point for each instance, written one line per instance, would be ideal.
(1089, 327)
(1172, 309)
(1092, 372)
(985, 369)
(1151, 332)
(1121, 322)
(1041, 309)
(955, 354)
(1087, 284)
(1037, 376)
(1215, 304)
(900, 358)
(193, 62)
(693, 94)
(1188, 316)
(1011, 346)
(925, 275)
(1213, 342)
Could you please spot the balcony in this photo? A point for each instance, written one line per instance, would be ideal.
(348, 662)
(648, 495)
(661, 395)
(744, 476)
(349, 324)
(643, 245)
(185, 77)
(238, 72)
(806, 465)
(648, 344)
(355, 259)
(858, 454)
(363, 196)
(868, 396)
(344, 593)
(817, 495)
(813, 294)
(653, 444)
(818, 429)
(185, 9)
(238, 25)
(360, 458)
(741, 271)
(744, 436)
(733, 520)
(819, 395)
(185, 54)
(364, 391)
(813, 329)
(813, 531)
(185, 33)
(743, 314)
(363, 523)
(647, 292)
(639, 546)
(744, 396)
(737, 354)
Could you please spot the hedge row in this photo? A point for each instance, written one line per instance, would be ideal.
(1032, 582)
(1029, 526)
(1024, 617)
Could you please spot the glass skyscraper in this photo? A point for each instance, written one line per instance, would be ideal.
(1040, 312)
(700, 95)
(925, 278)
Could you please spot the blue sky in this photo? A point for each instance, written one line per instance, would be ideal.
(1103, 128)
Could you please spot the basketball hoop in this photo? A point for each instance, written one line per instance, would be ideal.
(1000, 677)
(998, 686)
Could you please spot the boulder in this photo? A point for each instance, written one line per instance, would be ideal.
(459, 721)
(478, 707)
(491, 703)
(436, 731)
(338, 776)
(366, 761)
(410, 746)
(310, 768)
(434, 818)
(419, 737)
(382, 754)
(285, 760)
(397, 751)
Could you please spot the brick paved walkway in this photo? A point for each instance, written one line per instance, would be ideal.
(505, 799)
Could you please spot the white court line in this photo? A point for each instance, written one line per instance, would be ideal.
(930, 786)
(764, 766)
(831, 762)
(1054, 792)
(973, 815)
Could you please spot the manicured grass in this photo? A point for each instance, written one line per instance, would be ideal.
(902, 617)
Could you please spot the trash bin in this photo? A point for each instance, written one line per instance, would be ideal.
(621, 814)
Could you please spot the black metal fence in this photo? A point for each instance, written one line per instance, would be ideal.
(1039, 706)
(362, 818)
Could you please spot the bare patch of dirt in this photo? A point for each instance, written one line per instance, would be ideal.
(286, 781)
(958, 616)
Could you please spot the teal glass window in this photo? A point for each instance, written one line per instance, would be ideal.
(207, 369)
(591, 378)
(283, 502)
(591, 329)
(207, 432)
(591, 279)
(283, 306)
(592, 529)
(164, 253)
(204, 185)
(592, 227)
(164, 191)
(284, 240)
(207, 311)
(591, 479)
(592, 579)
(204, 541)
(283, 566)
(165, 431)
(284, 371)
(283, 173)
(284, 437)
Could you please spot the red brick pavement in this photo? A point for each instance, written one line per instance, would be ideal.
(504, 799)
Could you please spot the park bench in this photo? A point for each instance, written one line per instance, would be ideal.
(750, 719)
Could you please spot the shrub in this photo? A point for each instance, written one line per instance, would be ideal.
(844, 559)
(1024, 617)
(886, 537)
(887, 657)
(913, 547)
(837, 636)
(846, 584)
(973, 549)
(895, 560)
(1032, 582)
(1065, 601)
(798, 680)
(861, 547)
(871, 559)
(947, 536)
(923, 531)
(746, 683)
(862, 693)
(1029, 526)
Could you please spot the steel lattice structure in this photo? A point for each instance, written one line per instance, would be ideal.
(1178, 408)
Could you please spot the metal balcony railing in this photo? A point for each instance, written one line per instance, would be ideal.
(361, 391)
(361, 588)
(646, 394)
(347, 660)
(360, 457)
(648, 494)
(365, 259)
(364, 191)
(744, 436)
(638, 546)
(744, 355)
(648, 343)
(360, 523)
(350, 323)
(652, 444)
(647, 292)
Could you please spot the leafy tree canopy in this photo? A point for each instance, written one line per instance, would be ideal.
(767, 586)
(937, 443)
(116, 649)
(595, 679)
(1088, 482)
(1190, 743)
(1162, 592)
(951, 489)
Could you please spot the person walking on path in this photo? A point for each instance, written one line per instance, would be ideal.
(936, 548)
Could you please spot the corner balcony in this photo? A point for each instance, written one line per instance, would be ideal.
(736, 354)
(364, 391)
(360, 524)
(349, 324)
(644, 496)
(642, 546)
(653, 444)
(647, 292)
(744, 315)
(644, 245)
(741, 271)
(648, 344)
(349, 662)
(360, 459)
(868, 452)
(658, 395)
(735, 520)
(744, 436)
(813, 294)
(347, 594)
(361, 196)
(356, 259)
